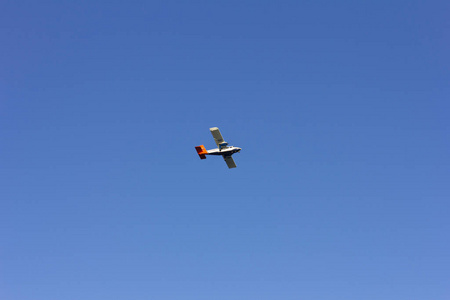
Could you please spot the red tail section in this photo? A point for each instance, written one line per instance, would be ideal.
(201, 151)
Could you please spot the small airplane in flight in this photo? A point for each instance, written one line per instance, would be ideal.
(223, 149)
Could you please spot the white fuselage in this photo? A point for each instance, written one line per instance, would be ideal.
(224, 151)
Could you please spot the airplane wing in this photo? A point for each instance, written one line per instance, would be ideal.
(230, 161)
(218, 138)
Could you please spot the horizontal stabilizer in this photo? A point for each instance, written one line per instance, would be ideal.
(201, 151)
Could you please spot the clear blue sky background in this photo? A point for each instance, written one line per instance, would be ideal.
(342, 187)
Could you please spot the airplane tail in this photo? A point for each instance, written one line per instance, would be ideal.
(201, 151)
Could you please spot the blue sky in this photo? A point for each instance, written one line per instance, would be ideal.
(341, 189)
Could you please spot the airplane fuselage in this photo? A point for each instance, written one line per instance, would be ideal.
(224, 151)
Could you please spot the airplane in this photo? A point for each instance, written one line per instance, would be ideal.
(222, 149)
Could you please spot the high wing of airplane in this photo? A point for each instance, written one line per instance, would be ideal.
(218, 138)
(222, 149)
